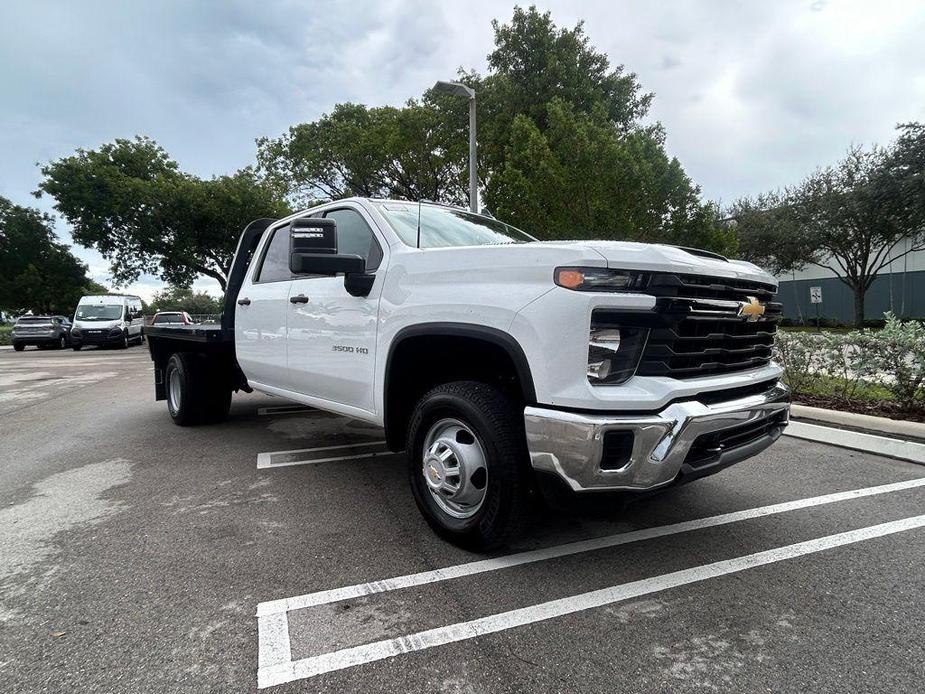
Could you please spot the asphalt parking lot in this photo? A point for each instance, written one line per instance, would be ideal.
(136, 556)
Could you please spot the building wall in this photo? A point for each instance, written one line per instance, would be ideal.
(901, 280)
(838, 299)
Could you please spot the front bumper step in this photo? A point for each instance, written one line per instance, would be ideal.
(686, 439)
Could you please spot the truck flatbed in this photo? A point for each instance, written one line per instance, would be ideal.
(208, 333)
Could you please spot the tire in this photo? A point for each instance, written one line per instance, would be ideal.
(195, 393)
(477, 423)
(62, 342)
(18, 347)
(124, 343)
(76, 348)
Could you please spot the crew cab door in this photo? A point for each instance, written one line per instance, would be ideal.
(261, 311)
(332, 335)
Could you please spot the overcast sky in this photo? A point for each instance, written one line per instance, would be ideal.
(753, 95)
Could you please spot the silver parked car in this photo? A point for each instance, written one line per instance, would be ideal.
(41, 331)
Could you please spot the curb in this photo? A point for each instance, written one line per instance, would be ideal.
(860, 421)
(857, 441)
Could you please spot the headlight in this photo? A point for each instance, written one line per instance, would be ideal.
(601, 279)
(75, 331)
(613, 350)
(115, 331)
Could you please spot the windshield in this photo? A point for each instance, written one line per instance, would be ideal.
(99, 312)
(443, 227)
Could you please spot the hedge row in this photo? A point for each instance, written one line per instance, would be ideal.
(892, 358)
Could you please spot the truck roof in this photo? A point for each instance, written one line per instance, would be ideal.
(109, 296)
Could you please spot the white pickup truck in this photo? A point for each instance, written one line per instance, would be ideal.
(503, 366)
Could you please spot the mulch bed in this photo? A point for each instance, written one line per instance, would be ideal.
(876, 409)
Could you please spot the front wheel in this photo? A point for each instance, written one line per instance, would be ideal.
(76, 348)
(468, 464)
(62, 342)
(18, 347)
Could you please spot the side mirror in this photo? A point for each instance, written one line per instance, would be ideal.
(313, 249)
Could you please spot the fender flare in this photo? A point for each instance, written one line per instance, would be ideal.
(493, 336)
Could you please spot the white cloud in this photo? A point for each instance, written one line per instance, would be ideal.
(752, 95)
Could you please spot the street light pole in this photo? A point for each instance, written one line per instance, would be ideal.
(458, 89)
(473, 174)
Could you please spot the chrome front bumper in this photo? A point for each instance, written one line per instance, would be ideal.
(571, 444)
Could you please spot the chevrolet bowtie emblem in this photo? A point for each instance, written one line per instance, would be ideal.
(752, 309)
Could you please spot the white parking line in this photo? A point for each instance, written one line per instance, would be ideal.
(870, 443)
(336, 594)
(273, 636)
(305, 456)
(349, 657)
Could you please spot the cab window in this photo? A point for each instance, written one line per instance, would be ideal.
(354, 237)
(274, 266)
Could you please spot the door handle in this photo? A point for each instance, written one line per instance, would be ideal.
(244, 302)
(300, 299)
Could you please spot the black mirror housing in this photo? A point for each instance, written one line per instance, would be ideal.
(311, 235)
(313, 249)
(358, 284)
(326, 264)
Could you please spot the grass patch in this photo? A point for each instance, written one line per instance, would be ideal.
(5, 331)
(834, 387)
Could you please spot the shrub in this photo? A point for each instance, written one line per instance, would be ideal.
(893, 358)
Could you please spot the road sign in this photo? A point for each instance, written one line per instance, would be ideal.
(815, 295)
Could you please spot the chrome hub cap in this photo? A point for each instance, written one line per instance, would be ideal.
(173, 388)
(454, 468)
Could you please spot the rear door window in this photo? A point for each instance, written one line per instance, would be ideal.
(274, 265)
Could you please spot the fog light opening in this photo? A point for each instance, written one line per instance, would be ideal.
(617, 449)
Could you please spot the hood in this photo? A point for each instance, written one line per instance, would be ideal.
(660, 258)
(97, 324)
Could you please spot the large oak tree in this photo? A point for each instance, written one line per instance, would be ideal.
(38, 273)
(563, 151)
(129, 200)
(852, 218)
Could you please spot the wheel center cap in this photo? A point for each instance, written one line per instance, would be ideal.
(434, 472)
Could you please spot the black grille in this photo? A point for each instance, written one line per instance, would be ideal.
(707, 448)
(706, 287)
(702, 332)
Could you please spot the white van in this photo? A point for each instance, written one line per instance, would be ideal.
(108, 319)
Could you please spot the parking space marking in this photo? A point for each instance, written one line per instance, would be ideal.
(869, 443)
(307, 456)
(481, 566)
(463, 631)
(273, 637)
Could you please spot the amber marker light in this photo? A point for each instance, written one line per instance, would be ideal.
(570, 279)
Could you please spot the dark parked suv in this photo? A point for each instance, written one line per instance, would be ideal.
(42, 331)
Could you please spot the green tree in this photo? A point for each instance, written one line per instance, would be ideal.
(853, 218)
(131, 202)
(174, 298)
(370, 152)
(638, 193)
(37, 272)
(562, 149)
